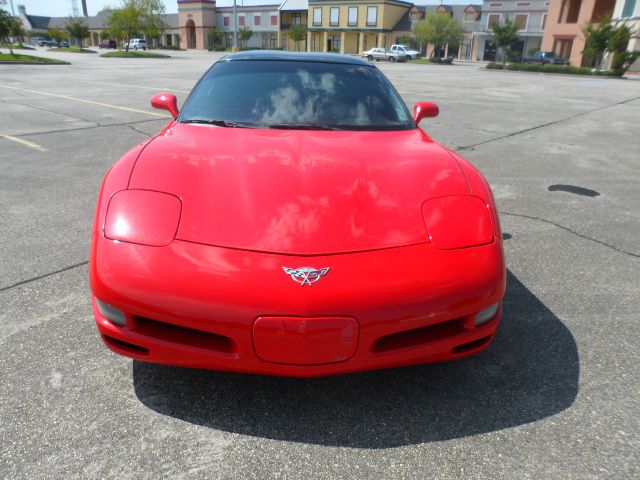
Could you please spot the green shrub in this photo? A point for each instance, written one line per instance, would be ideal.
(170, 47)
(566, 69)
(444, 61)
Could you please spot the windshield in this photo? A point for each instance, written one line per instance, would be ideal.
(296, 94)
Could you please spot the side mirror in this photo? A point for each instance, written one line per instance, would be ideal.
(424, 110)
(166, 101)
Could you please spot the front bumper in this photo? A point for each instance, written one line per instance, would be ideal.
(200, 306)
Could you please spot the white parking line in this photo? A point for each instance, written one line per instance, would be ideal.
(91, 102)
(26, 143)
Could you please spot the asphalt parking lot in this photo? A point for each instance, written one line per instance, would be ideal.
(557, 395)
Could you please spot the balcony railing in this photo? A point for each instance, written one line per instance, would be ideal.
(287, 26)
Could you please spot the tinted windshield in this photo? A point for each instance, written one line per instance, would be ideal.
(294, 94)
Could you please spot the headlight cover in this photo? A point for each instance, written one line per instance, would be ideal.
(457, 222)
(143, 217)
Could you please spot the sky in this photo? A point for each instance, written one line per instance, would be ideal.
(62, 8)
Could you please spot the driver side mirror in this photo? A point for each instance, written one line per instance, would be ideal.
(166, 101)
(424, 110)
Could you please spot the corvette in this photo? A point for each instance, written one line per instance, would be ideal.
(293, 219)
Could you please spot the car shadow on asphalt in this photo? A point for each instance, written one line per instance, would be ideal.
(530, 372)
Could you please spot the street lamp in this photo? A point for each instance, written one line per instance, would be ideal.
(235, 26)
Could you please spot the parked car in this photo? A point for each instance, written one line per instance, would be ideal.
(408, 53)
(378, 54)
(107, 43)
(36, 40)
(544, 58)
(51, 43)
(137, 44)
(64, 44)
(294, 219)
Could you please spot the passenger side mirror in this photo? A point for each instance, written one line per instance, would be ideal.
(424, 110)
(166, 101)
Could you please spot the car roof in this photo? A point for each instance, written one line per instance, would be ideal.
(277, 55)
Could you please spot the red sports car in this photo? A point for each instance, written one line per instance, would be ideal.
(294, 220)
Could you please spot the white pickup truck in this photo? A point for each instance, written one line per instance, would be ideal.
(406, 51)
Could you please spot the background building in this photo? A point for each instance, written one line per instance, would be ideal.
(39, 25)
(468, 16)
(566, 19)
(262, 20)
(531, 15)
(293, 12)
(353, 26)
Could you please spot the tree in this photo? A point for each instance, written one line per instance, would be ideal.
(77, 29)
(57, 34)
(405, 39)
(596, 39)
(5, 28)
(135, 17)
(605, 37)
(438, 29)
(609, 38)
(215, 37)
(298, 33)
(505, 35)
(617, 44)
(16, 30)
(244, 34)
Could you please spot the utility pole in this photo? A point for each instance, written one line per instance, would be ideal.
(235, 26)
(84, 8)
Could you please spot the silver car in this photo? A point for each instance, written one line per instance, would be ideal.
(378, 54)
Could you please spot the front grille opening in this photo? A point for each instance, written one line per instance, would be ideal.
(184, 336)
(419, 336)
(126, 346)
(467, 347)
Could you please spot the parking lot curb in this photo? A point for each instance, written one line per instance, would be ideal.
(35, 63)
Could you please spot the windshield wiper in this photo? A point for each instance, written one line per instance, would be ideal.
(219, 123)
(301, 126)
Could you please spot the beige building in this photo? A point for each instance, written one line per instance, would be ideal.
(565, 22)
(347, 26)
(195, 18)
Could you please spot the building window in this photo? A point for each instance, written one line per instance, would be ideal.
(521, 20)
(353, 16)
(296, 18)
(274, 20)
(627, 10)
(334, 16)
(334, 43)
(469, 17)
(496, 5)
(493, 18)
(256, 20)
(372, 16)
(570, 11)
(544, 21)
(317, 16)
(523, 4)
(241, 21)
(225, 21)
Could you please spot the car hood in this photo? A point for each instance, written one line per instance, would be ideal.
(298, 192)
